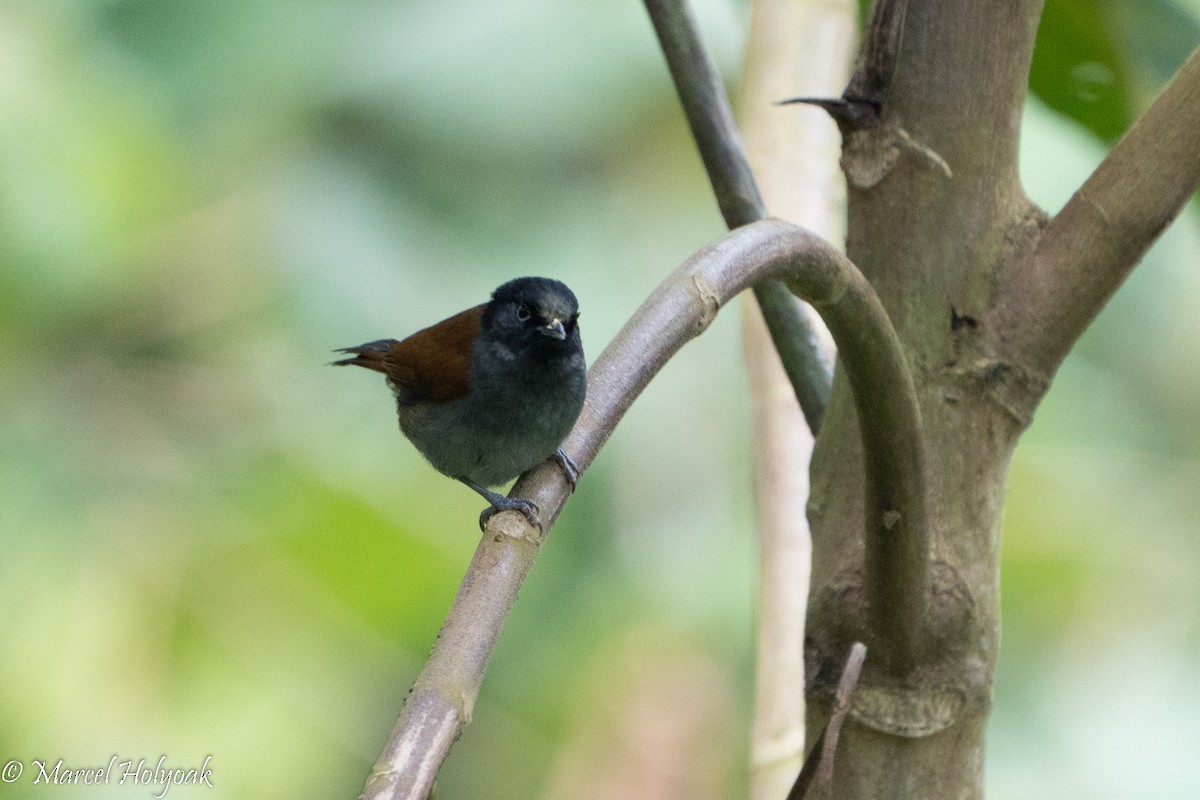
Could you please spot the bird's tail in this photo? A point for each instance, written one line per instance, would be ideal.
(371, 355)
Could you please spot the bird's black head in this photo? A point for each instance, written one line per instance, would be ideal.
(541, 314)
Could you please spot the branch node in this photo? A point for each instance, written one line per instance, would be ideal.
(909, 713)
(513, 525)
(869, 155)
(1093, 243)
(1015, 389)
(710, 303)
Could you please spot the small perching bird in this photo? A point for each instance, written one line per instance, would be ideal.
(492, 391)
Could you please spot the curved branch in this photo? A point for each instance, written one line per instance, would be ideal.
(681, 308)
(1090, 247)
(797, 339)
(706, 105)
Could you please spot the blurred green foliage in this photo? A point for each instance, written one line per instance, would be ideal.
(213, 544)
(1097, 60)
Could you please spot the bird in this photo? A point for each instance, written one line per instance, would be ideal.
(492, 391)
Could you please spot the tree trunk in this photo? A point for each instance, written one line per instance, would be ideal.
(932, 241)
(987, 296)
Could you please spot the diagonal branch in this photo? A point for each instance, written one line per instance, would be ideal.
(706, 105)
(703, 98)
(1090, 247)
(681, 308)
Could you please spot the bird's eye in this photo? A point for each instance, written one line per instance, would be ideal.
(523, 313)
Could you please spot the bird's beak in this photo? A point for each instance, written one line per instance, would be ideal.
(554, 329)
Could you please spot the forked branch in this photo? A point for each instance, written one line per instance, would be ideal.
(443, 696)
(1090, 246)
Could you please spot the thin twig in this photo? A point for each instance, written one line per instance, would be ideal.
(443, 696)
(818, 767)
(704, 101)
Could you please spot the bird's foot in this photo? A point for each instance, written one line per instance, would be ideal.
(501, 503)
(527, 508)
(569, 467)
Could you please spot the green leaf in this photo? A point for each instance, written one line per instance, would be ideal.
(1100, 61)
(1079, 68)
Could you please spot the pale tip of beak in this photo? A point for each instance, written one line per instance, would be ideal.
(555, 329)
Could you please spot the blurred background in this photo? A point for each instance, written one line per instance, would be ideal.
(212, 544)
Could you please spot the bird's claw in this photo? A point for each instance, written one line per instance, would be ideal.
(569, 467)
(527, 508)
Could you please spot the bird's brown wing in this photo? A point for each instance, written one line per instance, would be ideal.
(429, 366)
